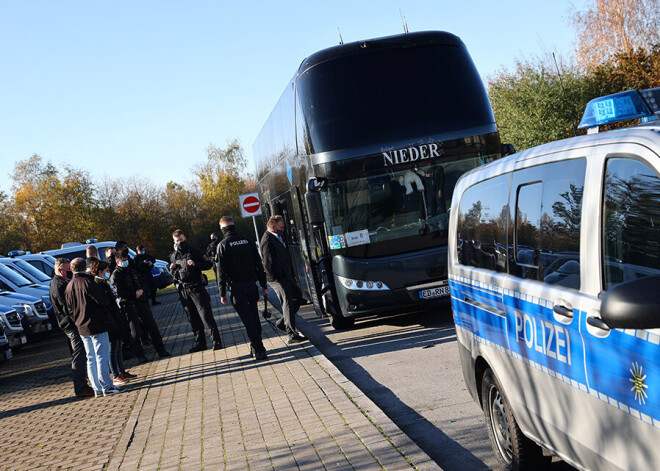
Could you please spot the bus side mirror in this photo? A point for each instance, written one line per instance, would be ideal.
(633, 305)
(313, 202)
(507, 149)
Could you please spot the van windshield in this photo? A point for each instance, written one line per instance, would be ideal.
(32, 271)
(13, 276)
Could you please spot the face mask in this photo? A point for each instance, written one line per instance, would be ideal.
(69, 274)
(106, 276)
(124, 263)
(181, 246)
(281, 234)
(225, 230)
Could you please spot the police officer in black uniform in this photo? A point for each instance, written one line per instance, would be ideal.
(239, 268)
(186, 265)
(212, 251)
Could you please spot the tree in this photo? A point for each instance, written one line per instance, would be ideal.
(611, 27)
(220, 180)
(530, 106)
(54, 205)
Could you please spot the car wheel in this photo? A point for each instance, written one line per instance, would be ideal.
(514, 450)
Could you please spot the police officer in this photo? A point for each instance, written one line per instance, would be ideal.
(212, 251)
(239, 267)
(186, 265)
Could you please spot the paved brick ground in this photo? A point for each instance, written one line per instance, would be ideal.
(209, 410)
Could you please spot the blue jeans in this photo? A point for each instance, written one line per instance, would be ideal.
(97, 348)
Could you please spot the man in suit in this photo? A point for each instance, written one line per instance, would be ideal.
(279, 273)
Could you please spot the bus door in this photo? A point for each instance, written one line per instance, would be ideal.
(310, 251)
(284, 206)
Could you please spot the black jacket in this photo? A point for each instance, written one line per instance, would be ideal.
(212, 249)
(238, 262)
(56, 291)
(275, 258)
(112, 308)
(87, 304)
(185, 273)
(144, 269)
(127, 281)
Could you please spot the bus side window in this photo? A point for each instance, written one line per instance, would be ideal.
(482, 224)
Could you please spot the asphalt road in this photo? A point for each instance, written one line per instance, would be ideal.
(409, 366)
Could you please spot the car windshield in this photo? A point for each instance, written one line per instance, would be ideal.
(13, 276)
(32, 271)
(394, 204)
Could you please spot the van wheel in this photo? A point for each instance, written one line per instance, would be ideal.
(341, 322)
(514, 450)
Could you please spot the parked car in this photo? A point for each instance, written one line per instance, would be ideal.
(42, 262)
(11, 280)
(5, 349)
(12, 322)
(25, 269)
(32, 311)
(71, 250)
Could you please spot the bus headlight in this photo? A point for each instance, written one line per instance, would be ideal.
(360, 285)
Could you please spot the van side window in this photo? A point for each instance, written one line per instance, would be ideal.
(631, 221)
(546, 222)
(482, 223)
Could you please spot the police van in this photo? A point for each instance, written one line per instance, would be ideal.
(554, 271)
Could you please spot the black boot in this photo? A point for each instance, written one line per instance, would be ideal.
(197, 348)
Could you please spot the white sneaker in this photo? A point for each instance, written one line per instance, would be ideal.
(111, 391)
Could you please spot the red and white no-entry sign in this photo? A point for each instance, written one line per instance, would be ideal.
(249, 204)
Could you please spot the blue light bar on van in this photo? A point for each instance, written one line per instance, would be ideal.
(614, 108)
(91, 241)
(16, 253)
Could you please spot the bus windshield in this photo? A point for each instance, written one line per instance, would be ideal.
(398, 92)
(395, 204)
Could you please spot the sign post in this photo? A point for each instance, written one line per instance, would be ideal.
(250, 206)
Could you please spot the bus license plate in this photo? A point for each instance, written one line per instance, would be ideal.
(8, 354)
(433, 293)
(23, 339)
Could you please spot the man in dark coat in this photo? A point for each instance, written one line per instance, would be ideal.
(87, 305)
(239, 268)
(186, 265)
(58, 286)
(144, 263)
(135, 306)
(279, 273)
(212, 251)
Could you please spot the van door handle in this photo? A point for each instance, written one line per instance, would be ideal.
(563, 311)
(597, 322)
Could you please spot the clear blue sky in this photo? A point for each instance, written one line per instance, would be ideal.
(143, 87)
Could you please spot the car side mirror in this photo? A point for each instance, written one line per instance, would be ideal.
(507, 149)
(313, 202)
(633, 305)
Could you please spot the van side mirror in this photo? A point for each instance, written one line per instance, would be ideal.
(507, 149)
(633, 305)
(313, 202)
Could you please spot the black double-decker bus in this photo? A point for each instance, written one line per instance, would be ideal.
(360, 155)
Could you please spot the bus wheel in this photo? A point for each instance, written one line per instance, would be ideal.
(341, 322)
(514, 450)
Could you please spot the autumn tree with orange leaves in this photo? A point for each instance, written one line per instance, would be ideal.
(612, 27)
